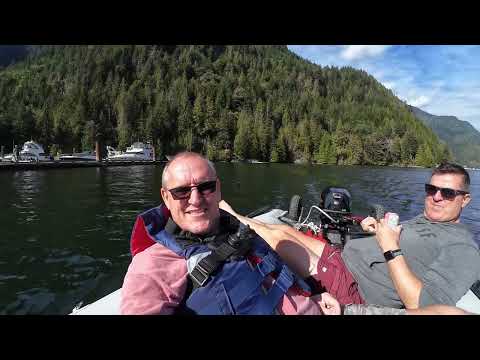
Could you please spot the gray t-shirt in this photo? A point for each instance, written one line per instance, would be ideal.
(443, 256)
(357, 309)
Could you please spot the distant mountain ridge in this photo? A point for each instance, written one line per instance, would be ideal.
(462, 138)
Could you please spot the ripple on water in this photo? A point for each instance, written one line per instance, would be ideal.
(73, 260)
(12, 277)
(32, 301)
(26, 259)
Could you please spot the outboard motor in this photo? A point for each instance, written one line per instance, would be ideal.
(336, 199)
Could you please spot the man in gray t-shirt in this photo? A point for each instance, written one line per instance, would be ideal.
(431, 259)
(441, 262)
(440, 258)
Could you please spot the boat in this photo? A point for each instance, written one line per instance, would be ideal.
(82, 156)
(112, 152)
(110, 304)
(137, 152)
(33, 152)
(8, 158)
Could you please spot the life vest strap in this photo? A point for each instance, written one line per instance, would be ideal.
(268, 265)
(209, 264)
(257, 304)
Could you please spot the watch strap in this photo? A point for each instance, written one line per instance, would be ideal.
(392, 254)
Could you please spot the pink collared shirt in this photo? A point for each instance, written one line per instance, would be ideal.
(156, 282)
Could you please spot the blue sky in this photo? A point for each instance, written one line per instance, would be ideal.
(439, 79)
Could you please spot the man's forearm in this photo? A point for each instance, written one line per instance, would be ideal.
(406, 283)
(314, 245)
(285, 242)
(299, 257)
(437, 310)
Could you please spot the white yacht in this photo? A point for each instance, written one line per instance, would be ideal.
(112, 152)
(137, 152)
(33, 151)
(8, 158)
(81, 156)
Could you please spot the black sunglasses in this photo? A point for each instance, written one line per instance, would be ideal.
(447, 193)
(183, 192)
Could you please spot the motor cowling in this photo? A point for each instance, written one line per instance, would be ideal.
(336, 199)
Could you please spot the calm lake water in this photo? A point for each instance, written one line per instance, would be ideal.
(65, 233)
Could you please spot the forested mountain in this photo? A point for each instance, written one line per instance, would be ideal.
(261, 102)
(461, 137)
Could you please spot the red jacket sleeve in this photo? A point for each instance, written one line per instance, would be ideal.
(140, 238)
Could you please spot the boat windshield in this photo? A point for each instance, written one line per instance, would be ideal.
(31, 146)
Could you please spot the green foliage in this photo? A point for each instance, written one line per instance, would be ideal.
(279, 151)
(260, 102)
(326, 153)
(242, 139)
(424, 156)
(54, 150)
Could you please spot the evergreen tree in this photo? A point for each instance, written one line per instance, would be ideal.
(279, 149)
(409, 147)
(424, 156)
(198, 117)
(241, 143)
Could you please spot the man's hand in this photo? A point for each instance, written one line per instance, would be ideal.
(369, 224)
(388, 238)
(329, 305)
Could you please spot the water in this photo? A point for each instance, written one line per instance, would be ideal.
(65, 232)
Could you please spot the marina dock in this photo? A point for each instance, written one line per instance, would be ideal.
(45, 165)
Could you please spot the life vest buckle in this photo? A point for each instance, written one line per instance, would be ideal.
(199, 275)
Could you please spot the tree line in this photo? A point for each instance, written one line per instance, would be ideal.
(227, 102)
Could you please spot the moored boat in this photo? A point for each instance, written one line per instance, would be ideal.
(82, 156)
(33, 152)
(8, 158)
(137, 152)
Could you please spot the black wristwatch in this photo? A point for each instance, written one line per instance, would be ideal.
(392, 254)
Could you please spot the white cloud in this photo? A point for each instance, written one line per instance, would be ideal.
(357, 52)
(420, 101)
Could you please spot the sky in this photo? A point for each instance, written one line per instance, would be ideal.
(439, 79)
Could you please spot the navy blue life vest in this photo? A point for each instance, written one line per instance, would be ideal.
(236, 287)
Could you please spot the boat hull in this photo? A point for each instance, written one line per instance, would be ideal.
(77, 158)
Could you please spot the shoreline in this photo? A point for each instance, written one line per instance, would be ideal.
(44, 165)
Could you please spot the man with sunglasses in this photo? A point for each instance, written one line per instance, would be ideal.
(190, 257)
(430, 259)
